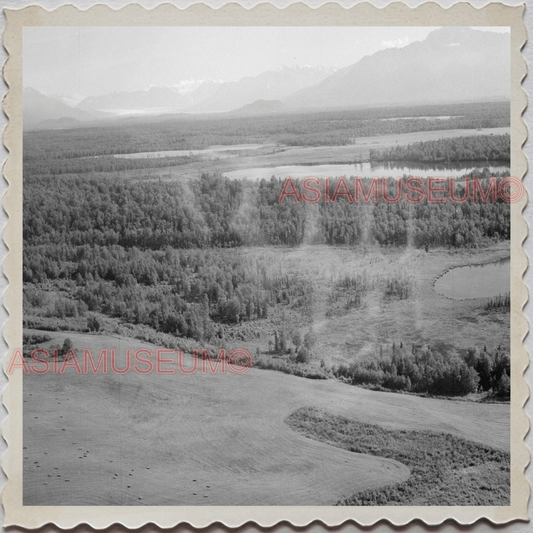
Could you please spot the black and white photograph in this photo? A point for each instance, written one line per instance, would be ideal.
(266, 266)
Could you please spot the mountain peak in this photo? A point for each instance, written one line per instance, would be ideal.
(455, 64)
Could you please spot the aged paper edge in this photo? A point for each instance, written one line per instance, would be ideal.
(461, 14)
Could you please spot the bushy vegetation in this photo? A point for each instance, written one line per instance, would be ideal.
(348, 293)
(289, 367)
(104, 164)
(32, 342)
(493, 369)
(445, 470)
(438, 371)
(290, 346)
(206, 295)
(501, 302)
(34, 339)
(472, 148)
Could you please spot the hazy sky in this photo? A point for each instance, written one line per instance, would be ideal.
(97, 60)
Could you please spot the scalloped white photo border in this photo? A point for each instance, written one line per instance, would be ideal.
(365, 14)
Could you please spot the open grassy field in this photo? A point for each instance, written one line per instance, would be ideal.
(216, 439)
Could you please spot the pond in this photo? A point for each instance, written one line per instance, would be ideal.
(476, 281)
(364, 170)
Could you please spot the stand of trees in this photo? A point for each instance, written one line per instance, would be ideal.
(184, 293)
(433, 371)
(472, 148)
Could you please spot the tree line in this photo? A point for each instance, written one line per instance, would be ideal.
(433, 370)
(471, 148)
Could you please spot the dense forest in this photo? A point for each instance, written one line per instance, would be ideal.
(218, 212)
(477, 147)
(181, 293)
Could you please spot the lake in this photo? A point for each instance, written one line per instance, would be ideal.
(476, 281)
(364, 170)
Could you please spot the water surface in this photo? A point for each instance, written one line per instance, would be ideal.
(365, 170)
(476, 281)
